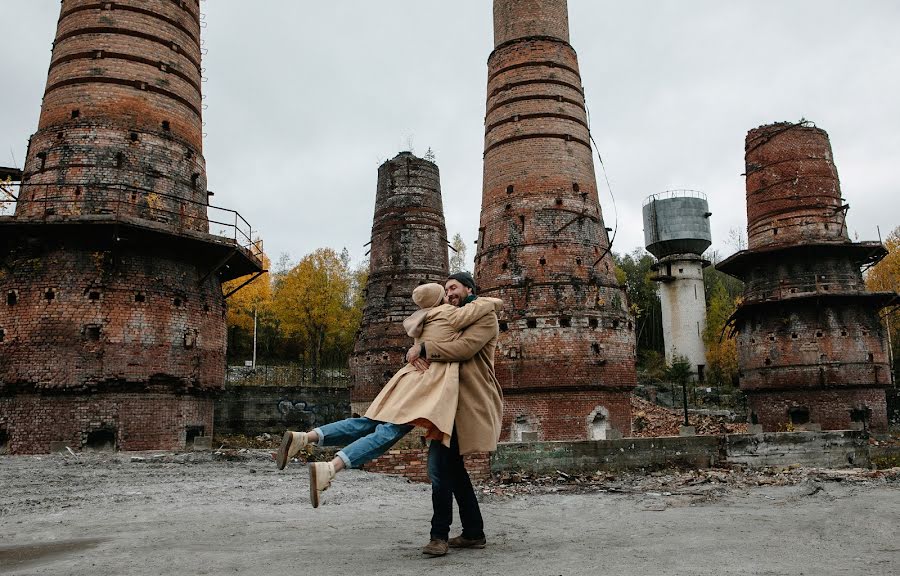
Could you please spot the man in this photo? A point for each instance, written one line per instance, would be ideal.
(477, 425)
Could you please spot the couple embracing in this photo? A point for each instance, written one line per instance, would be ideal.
(448, 387)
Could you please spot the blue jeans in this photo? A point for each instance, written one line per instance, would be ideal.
(449, 479)
(363, 439)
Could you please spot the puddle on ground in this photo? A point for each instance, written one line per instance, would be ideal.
(24, 555)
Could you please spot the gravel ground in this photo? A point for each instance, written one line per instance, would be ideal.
(233, 513)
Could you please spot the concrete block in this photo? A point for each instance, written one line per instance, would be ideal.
(810, 427)
(754, 429)
(203, 443)
(529, 436)
(613, 434)
(687, 431)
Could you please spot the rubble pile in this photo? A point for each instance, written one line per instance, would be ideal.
(710, 482)
(649, 420)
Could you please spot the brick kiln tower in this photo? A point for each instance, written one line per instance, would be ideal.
(112, 313)
(566, 356)
(408, 248)
(811, 347)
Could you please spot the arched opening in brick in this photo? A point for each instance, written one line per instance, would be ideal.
(861, 414)
(598, 423)
(76, 113)
(523, 429)
(191, 432)
(166, 126)
(12, 298)
(4, 442)
(592, 322)
(92, 332)
(504, 326)
(754, 418)
(798, 415)
(101, 439)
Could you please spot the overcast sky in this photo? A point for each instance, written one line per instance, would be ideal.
(305, 100)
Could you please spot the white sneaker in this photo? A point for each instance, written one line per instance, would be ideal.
(291, 443)
(320, 476)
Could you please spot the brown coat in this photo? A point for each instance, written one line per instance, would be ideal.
(429, 399)
(479, 412)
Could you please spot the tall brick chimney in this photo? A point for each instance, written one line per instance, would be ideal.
(113, 314)
(408, 248)
(812, 350)
(566, 356)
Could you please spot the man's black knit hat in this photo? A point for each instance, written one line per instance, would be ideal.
(465, 279)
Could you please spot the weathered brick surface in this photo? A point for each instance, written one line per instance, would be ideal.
(793, 191)
(114, 318)
(566, 415)
(412, 463)
(811, 346)
(543, 246)
(408, 248)
(833, 409)
(119, 327)
(139, 421)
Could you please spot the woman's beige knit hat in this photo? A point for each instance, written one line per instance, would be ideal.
(428, 295)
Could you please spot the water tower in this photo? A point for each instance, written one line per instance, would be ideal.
(676, 231)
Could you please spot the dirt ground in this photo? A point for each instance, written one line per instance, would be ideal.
(233, 513)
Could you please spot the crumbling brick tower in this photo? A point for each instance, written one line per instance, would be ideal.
(811, 347)
(112, 312)
(566, 355)
(408, 248)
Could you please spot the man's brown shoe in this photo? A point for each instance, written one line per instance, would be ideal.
(461, 542)
(435, 548)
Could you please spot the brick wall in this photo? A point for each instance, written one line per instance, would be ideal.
(566, 415)
(831, 409)
(408, 248)
(138, 421)
(543, 245)
(75, 318)
(412, 463)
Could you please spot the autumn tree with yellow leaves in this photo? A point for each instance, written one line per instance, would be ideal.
(885, 277)
(315, 303)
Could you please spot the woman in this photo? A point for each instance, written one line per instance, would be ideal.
(411, 398)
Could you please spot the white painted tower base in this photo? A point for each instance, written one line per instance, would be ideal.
(680, 281)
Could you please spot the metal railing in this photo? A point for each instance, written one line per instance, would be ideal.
(71, 200)
(679, 193)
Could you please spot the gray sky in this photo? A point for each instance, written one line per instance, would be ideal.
(305, 100)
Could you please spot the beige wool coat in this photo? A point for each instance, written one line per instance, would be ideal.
(479, 412)
(430, 399)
